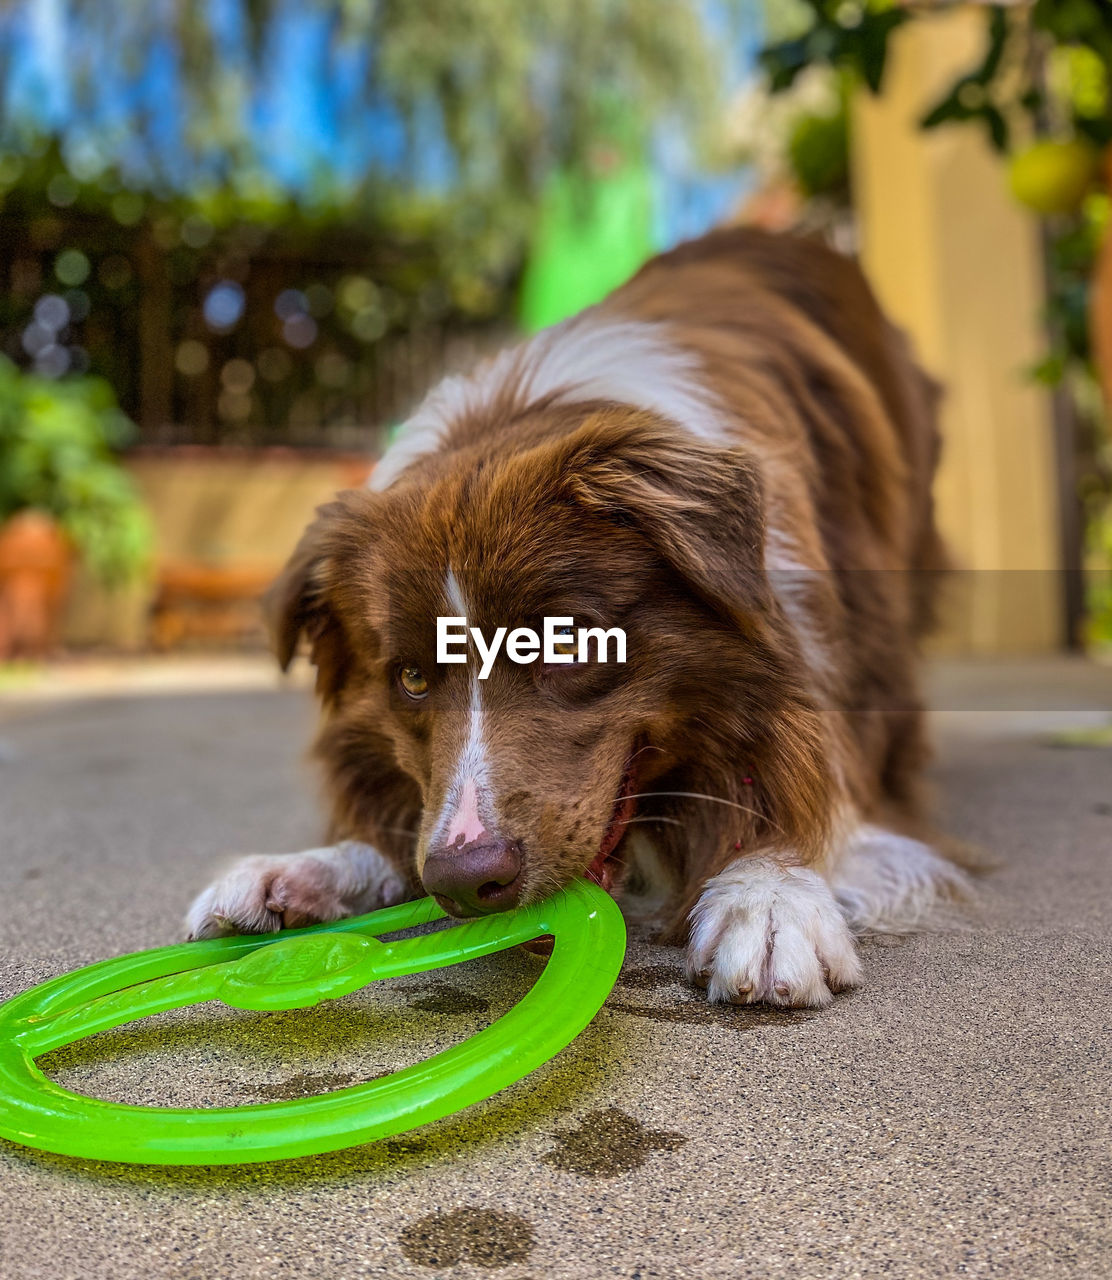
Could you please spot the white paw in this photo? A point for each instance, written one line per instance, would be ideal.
(267, 892)
(889, 883)
(765, 933)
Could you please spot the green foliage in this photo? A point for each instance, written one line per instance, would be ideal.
(1049, 65)
(518, 90)
(855, 36)
(970, 96)
(1071, 259)
(818, 150)
(57, 454)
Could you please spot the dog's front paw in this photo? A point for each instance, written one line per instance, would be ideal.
(267, 892)
(770, 934)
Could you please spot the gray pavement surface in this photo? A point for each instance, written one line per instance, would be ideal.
(950, 1118)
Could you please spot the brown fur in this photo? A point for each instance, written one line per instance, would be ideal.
(612, 514)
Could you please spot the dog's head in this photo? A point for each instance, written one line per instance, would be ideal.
(531, 776)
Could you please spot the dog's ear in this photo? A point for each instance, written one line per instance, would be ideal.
(296, 597)
(300, 602)
(700, 505)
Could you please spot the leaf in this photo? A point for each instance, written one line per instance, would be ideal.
(997, 126)
(998, 31)
(1033, 100)
(1048, 371)
(782, 63)
(950, 108)
(967, 98)
(875, 31)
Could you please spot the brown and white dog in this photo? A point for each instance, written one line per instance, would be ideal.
(731, 459)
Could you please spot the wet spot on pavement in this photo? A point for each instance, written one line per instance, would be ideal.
(444, 998)
(608, 1143)
(489, 1238)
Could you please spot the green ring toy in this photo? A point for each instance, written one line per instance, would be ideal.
(295, 970)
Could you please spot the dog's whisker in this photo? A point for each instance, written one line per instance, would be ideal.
(699, 795)
(674, 822)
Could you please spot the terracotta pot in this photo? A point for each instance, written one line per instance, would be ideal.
(36, 563)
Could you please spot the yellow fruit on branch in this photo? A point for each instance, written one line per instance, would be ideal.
(1054, 176)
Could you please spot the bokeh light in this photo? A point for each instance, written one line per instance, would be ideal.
(234, 406)
(128, 207)
(62, 190)
(238, 376)
(52, 361)
(300, 331)
(196, 231)
(36, 338)
(356, 293)
(369, 324)
(223, 306)
(332, 369)
(71, 267)
(52, 312)
(191, 358)
(290, 303)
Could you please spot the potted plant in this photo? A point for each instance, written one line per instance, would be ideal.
(63, 495)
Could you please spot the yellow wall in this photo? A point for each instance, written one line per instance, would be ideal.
(956, 262)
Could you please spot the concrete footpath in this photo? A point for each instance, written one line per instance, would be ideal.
(950, 1118)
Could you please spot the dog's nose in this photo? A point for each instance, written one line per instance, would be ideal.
(477, 880)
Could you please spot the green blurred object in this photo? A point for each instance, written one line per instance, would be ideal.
(1051, 176)
(1093, 736)
(818, 151)
(593, 233)
(58, 442)
(293, 970)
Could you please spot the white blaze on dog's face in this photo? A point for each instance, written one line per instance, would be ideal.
(466, 818)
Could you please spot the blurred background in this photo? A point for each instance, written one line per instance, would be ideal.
(239, 238)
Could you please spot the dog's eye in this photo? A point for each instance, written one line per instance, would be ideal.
(568, 647)
(412, 680)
